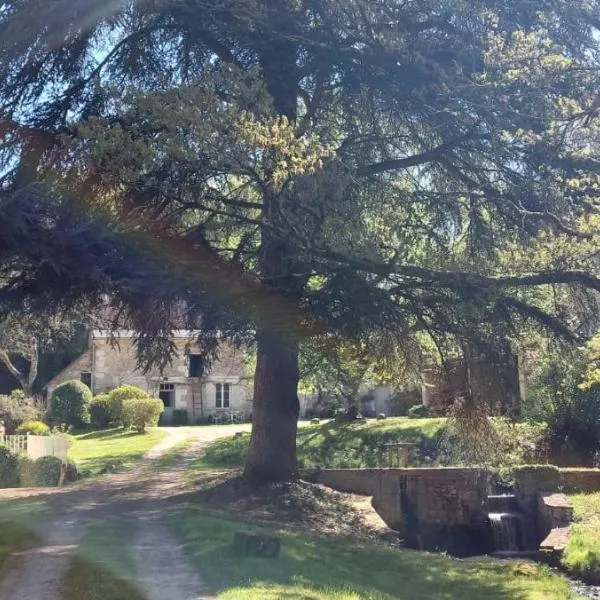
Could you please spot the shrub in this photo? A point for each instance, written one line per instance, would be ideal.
(418, 412)
(33, 428)
(72, 472)
(43, 472)
(15, 410)
(572, 413)
(180, 416)
(116, 398)
(101, 415)
(8, 468)
(142, 412)
(381, 416)
(70, 403)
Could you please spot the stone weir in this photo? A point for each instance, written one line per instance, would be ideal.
(437, 509)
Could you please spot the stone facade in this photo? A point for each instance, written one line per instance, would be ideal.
(110, 363)
(432, 508)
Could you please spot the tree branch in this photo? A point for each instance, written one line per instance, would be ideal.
(4, 358)
(393, 164)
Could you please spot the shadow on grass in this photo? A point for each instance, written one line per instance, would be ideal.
(106, 434)
(334, 566)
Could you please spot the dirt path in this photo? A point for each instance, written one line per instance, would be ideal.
(139, 496)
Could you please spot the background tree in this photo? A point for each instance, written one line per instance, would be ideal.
(32, 344)
(289, 169)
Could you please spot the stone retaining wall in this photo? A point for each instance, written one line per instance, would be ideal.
(433, 508)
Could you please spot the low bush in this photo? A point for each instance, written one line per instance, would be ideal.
(101, 415)
(43, 472)
(117, 397)
(418, 412)
(71, 472)
(33, 428)
(70, 403)
(180, 417)
(16, 409)
(8, 468)
(142, 412)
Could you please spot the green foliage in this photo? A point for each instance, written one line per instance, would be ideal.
(33, 428)
(180, 417)
(116, 398)
(571, 410)
(102, 414)
(70, 403)
(8, 468)
(140, 413)
(16, 409)
(43, 472)
(582, 555)
(473, 438)
(418, 412)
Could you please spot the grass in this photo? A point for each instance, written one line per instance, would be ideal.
(312, 567)
(337, 445)
(19, 520)
(96, 452)
(170, 457)
(582, 555)
(101, 568)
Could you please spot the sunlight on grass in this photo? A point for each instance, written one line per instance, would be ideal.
(110, 450)
(336, 445)
(583, 552)
(339, 569)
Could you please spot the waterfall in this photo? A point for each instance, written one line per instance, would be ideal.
(507, 523)
(506, 531)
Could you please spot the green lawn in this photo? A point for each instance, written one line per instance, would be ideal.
(96, 452)
(582, 555)
(334, 444)
(102, 566)
(311, 567)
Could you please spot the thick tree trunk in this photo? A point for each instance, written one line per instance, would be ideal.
(272, 454)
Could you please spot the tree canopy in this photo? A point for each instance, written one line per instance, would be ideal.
(289, 169)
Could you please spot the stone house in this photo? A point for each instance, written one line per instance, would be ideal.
(223, 389)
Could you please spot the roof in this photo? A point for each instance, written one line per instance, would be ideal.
(99, 334)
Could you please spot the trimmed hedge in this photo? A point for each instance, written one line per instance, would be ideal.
(116, 398)
(70, 403)
(33, 428)
(101, 413)
(8, 468)
(142, 412)
(43, 472)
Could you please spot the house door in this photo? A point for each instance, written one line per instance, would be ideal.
(167, 394)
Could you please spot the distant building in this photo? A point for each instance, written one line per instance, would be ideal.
(224, 389)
